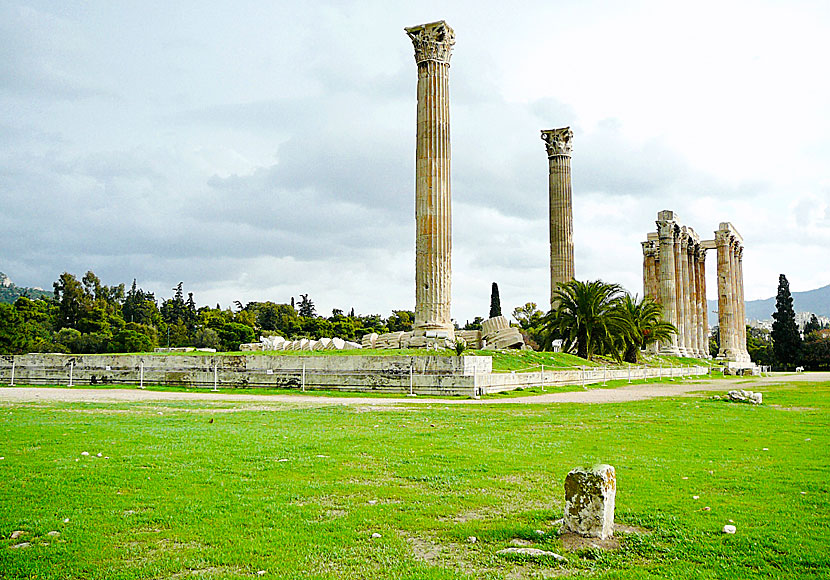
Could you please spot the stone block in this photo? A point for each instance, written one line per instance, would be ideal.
(589, 501)
(472, 338)
(369, 340)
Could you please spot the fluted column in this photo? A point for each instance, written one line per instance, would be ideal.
(559, 144)
(650, 274)
(680, 289)
(702, 306)
(668, 297)
(726, 312)
(741, 303)
(433, 220)
(694, 343)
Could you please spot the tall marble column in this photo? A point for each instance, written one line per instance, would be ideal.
(702, 306)
(694, 344)
(726, 295)
(651, 285)
(741, 303)
(433, 44)
(559, 144)
(680, 288)
(666, 224)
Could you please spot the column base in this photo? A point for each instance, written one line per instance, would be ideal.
(434, 330)
(669, 350)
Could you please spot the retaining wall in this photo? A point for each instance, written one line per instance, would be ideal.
(422, 375)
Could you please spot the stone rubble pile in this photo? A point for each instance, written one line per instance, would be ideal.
(279, 343)
(742, 396)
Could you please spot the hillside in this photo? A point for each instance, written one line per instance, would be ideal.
(9, 292)
(816, 301)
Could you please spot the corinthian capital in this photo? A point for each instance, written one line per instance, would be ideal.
(433, 41)
(558, 141)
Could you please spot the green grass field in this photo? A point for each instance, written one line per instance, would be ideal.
(297, 491)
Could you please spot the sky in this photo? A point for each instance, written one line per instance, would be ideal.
(259, 150)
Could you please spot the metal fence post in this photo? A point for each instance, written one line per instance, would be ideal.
(11, 384)
(303, 385)
(583, 376)
(71, 371)
(412, 380)
(629, 373)
(141, 375)
(215, 376)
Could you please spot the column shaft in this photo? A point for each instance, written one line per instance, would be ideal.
(680, 294)
(725, 310)
(560, 199)
(668, 294)
(703, 305)
(693, 313)
(433, 228)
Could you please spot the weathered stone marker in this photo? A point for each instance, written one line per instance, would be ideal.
(589, 501)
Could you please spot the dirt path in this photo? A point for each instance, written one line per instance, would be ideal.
(594, 395)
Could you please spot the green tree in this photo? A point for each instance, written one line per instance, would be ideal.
(759, 346)
(812, 325)
(644, 325)
(495, 301)
(306, 306)
(71, 299)
(786, 340)
(587, 318)
(531, 321)
(816, 351)
(400, 321)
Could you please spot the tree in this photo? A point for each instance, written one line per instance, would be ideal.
(786, 340)
(306, 306)
(495, 301)
(400, 321)
(586, 317)
(531, 321)
(70, 296)
(816, 353)
(644, 323)
(813, 325)
(759, 346)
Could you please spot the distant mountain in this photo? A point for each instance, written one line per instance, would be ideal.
(816, 301)
(9, 292)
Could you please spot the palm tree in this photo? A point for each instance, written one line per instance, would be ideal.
(587, 316)
(645, 325)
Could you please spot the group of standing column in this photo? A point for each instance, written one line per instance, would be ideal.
(674, 274)
(731, 305)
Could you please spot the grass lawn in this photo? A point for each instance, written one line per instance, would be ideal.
(203, 490)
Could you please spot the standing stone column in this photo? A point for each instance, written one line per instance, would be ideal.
(680, 289)
(702, 306)
(741, 303)
(726, 315)
(668, 296)
(649, 264)
(433, 222)
(559, 144)
(693, 302)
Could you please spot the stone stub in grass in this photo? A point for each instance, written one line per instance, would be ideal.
(589, 501)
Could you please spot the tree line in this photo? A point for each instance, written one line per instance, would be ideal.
(87, 317)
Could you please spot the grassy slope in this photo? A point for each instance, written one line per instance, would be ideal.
(180, 497)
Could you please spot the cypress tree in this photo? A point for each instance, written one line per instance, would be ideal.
(495, 301)
(786, 340)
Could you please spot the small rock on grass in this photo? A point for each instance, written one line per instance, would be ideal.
(66, 521)
(261, 573)
(22, 545)
(472, 539)
(531, 553)
(84, 452)
(729, 529)
(53, 533)
(540, 532)
(376, 535)
(16, 534)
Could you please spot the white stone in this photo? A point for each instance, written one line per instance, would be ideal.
(376, 535)
(53, 533)
(16, 534)
(589, 501)
(531, 553)
(84, 452)
(729, 529)
(472, 539)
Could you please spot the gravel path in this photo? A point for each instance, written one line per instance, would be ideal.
(594, 395)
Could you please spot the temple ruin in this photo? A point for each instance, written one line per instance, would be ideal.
(674, 274)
